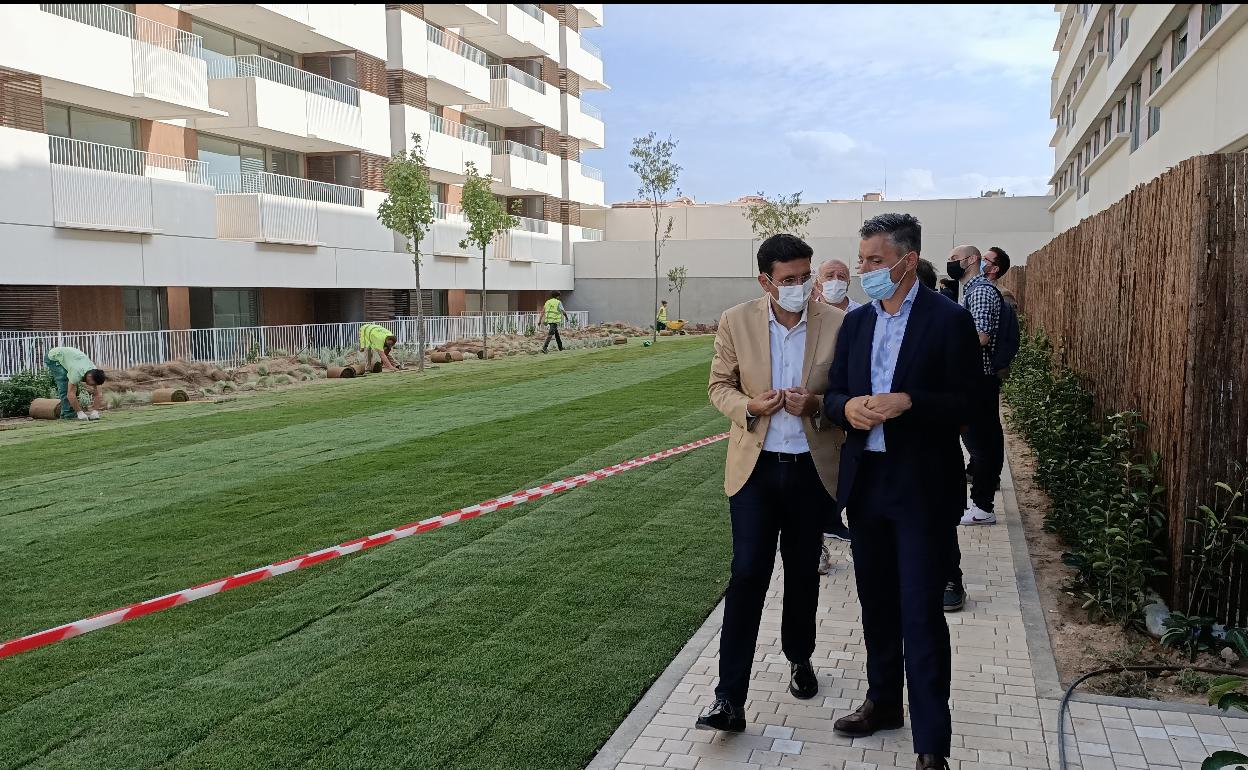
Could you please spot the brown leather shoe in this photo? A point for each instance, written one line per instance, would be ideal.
(931, 762)
(868, 719)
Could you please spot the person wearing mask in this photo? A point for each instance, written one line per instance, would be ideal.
(768, 376)
(660, 319)
(552, 314)
(69, 367)
(900, 385)
(832, 285)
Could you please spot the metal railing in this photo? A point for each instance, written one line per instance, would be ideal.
(457, 44)
(448, 212)
(590, 234)
(235, 346)
(251, 182)
(253, 66)
(458, 130)
(123, 160)
(531, 225)
(590, 48)
(508, 147)
(112, 19)
(591, 110)
(532, 10)
(591, 172)
(508, 72)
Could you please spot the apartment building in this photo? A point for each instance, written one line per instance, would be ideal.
(216, 165)
(1138, 88)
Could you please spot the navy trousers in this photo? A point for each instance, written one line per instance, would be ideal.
(901, 561)
(784, 498)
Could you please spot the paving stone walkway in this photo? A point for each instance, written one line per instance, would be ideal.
(1005, 693)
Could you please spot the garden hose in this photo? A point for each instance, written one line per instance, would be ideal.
(1061, 711)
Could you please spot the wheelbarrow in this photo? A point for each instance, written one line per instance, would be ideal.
(676, 326)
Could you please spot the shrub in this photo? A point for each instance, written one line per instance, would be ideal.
(18, 391)
(283, 379)
(262, 369)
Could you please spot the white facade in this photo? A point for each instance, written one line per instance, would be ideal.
(156, 209)
(1138, 88)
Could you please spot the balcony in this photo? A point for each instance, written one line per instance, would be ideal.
(585, 122)
(303, 27)
(271, 208)
(517, 99)
(102, 57)
(516, 30)
(456, 71)
(448, 146)
(585, 185)
(522, 170)
(531, 240)
(583, 58)
(275, 104)
(101, 187)
(457, 14)
(590, 14)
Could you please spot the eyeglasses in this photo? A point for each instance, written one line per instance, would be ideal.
(792, 280)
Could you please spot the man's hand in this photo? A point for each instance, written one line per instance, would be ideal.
(83, 417)
(766, 404)
(889, 404)
(860, 415)
(800, 403)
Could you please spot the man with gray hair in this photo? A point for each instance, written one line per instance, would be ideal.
(832, 286)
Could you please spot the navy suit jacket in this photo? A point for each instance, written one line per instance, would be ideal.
(936, 366)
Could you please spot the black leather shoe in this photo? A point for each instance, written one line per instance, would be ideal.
(722, 715)
(931, 762)
(803, 683)
(868, 719)
(955, 596)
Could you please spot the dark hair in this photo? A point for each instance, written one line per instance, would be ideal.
(903, 230)
(948, 283)
(1003, 260)
(97, 376)
(664, 302)
(554, 295)
(926, 273)
(782, 248)
(391, 341)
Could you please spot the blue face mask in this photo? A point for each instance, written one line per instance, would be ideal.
(879, 284)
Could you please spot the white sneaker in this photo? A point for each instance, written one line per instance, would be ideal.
(975, 516)
(825, 560)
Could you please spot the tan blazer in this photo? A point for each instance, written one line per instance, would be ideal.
(741, 370)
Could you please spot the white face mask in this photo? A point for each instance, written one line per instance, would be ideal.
(794, 298)
(835, 290)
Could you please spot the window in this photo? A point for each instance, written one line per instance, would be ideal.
(1154, 82)
(1210, 14)
(1106, 130)
(226, 156)
(347, 169)
(1135, 115)
(221, 43)
(73, 123)
(144, 308)
(1124, 29)
(344, 69)
(1122, 115)
(1109, 30)
(235, 307)
(1178, 46)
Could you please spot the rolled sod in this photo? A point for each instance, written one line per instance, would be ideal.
(45, 408)
(169, 396)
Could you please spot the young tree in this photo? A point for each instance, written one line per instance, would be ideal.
(658, 174)
(487, 219)
(781, 214)
(676, 278)
(408, 210)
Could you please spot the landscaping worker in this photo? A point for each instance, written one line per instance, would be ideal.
(70, 366)
(378, 338)
(552, 314)
(660, 320)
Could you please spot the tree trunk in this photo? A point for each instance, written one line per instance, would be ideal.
(485, 331)
(654, 322)
(420, 312)
(679, 291)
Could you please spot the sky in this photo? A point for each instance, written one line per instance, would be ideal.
(942, 101)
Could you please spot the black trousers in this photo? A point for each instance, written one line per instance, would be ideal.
(900, 562)
(554, 332)
(784, 498)
(985, 442)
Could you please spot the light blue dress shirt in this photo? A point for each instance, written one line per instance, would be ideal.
(890, 330)
(788, 348)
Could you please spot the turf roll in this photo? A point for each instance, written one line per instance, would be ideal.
(45, 408)
(169, 396)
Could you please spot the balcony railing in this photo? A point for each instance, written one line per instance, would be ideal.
(112, 19)
(530, 225)
(251, 182)
(591, 172)
(508, 72)
(458, 130)
(448, 212)
(590, 48)
(457, 44)
(531, 10)
(519, 150)
(591, 110)
(253, 66)
(122, 160)
(590, 234)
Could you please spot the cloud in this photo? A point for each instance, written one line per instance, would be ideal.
(917, 182)
(824, 144)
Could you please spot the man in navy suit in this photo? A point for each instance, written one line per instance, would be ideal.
(900, 385)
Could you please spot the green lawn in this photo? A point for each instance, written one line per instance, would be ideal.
(518, 639)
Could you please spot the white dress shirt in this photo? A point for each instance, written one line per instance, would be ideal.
(788, 349)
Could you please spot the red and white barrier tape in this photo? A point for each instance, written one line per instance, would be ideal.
(96, 622)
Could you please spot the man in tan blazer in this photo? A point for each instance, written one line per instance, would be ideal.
(772, 357)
